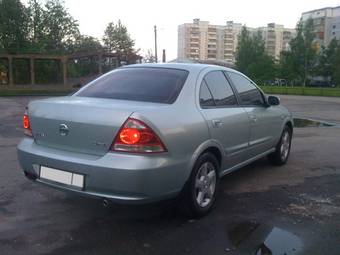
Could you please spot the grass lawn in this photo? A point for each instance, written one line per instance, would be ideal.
(328, 92)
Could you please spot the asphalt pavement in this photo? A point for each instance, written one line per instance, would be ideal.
(294, 209)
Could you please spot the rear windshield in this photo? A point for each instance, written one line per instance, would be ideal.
(157, 85)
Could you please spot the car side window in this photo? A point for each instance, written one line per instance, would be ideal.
(206, 99)
(220, 89)
(249, 94)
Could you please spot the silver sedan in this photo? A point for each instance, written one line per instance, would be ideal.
(150, 132)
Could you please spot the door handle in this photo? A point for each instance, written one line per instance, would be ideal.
(217, 123)
(253, 118)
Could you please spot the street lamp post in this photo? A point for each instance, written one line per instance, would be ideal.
(155, 28)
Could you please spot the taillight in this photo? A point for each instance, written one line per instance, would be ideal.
(26, 124)
(135, 136)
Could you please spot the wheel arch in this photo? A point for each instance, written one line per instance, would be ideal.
(290, 124)
(211, 146)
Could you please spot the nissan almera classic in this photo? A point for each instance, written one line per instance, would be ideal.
(150, 132)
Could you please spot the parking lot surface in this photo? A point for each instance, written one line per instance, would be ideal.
(294, 209)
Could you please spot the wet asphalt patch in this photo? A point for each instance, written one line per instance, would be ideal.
(302, 123)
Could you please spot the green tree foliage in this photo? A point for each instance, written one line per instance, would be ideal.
(48, 72)
(84, 66)
(329, 62)
(252, 59)
(40, 28)
(336, 67)
(13, 26)
(61, 29)
(117, 39)
(327, 59)
(53, 29)
(287, 67)
(299, 62)
(84, 43)
(36, 25)
(36, 28)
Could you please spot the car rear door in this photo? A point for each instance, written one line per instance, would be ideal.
(265, 121)
(228, 122)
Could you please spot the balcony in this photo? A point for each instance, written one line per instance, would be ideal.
(228, 52)
(212, 52)
(194, 51)
(194, 45)
(211, 56)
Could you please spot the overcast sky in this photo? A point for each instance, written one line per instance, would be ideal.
(141, 15)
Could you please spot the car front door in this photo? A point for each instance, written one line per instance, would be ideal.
(228, 122)
(265, 121)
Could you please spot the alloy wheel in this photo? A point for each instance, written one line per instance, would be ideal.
(205, 184)
(285, 145)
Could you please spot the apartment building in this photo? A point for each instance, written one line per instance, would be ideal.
(276, 38)
(203, 41)
(326, 23)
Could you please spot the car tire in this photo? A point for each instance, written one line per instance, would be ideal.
(200, 191)
(280, 155)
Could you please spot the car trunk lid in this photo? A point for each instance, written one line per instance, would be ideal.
(79, 124)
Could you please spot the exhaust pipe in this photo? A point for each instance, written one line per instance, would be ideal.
(105, 203)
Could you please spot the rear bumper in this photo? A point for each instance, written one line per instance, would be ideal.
(115, 176)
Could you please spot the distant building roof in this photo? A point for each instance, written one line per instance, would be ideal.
(321, 9)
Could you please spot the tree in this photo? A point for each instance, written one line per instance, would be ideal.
(84, 43)
(117, 39)
(13, 26)
(60, 28)
(84, 66)
(300, 61)
(328, 61)
(287, 67)
(252, 59)
(36, 25)
(149, 57)
(36, 28)
(244, 52)
(336, 65)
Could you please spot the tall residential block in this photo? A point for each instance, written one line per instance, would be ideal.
(276, 38)
(203, 41)
(200, 40)
(326, 23)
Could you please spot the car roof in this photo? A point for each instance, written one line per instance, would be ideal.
(184, 66)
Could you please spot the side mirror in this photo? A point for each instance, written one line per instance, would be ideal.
(273, 100)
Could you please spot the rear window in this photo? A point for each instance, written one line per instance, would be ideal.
(157, 85)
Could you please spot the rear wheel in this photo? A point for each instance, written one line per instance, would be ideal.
(200, 192)
(281, 153)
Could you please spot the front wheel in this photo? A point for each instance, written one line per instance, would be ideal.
(282, 150)
(200, 191)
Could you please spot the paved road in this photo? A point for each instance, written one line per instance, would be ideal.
(293, 209)
(319, 108)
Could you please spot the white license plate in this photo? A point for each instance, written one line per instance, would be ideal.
(63, 177)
